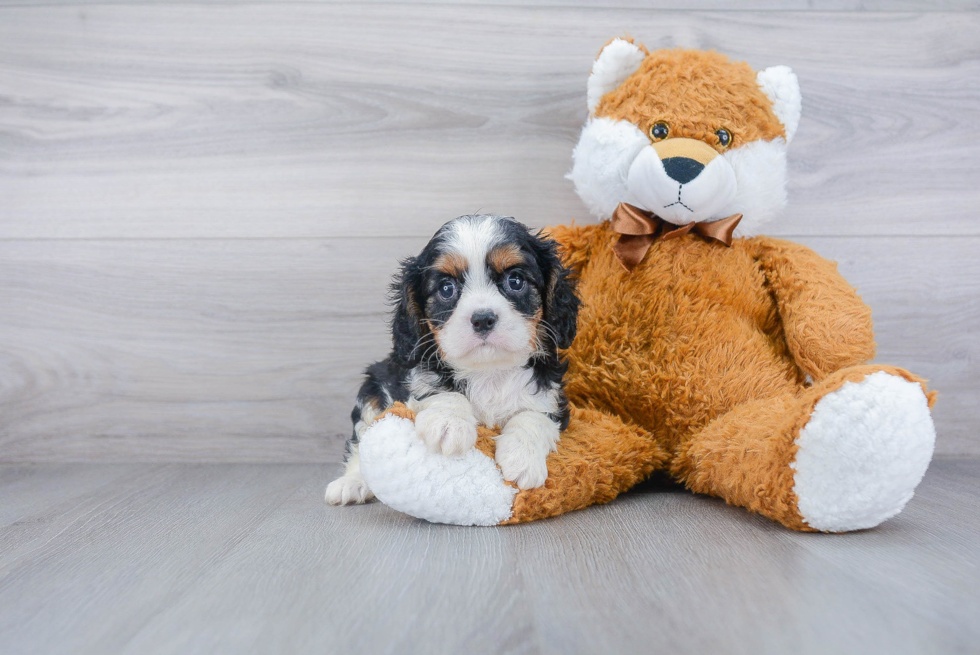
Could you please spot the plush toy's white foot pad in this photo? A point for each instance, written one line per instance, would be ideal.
(862, 453)
(465, 489)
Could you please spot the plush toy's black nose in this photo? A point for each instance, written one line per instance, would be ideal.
(682, 169)
(483, 321)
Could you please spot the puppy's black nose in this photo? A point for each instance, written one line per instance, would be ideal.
(483, 321)
(682, 169)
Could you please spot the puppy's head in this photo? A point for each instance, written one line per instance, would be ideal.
(485, 293)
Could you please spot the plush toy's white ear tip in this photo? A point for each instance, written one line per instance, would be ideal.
(780, 85)
(617, 61)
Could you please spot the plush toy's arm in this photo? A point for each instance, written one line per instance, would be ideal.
(827, 326)
(575, 242)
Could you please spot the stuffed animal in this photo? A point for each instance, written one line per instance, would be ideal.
(736, 364)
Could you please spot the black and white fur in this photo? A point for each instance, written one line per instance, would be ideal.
(479, 318)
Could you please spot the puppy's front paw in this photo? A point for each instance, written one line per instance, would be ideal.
(348, 490)
(524, 466)
(453, 433)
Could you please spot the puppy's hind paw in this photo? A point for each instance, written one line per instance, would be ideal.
(348, 490)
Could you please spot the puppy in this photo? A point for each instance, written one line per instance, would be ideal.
(479, 318)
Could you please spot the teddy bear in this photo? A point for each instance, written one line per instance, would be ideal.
(734, 363)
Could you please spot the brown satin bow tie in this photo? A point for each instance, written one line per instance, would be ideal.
(638, 229)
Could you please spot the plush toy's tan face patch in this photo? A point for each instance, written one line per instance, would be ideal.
(694, 94)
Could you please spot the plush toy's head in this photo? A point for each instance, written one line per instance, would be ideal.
(686, 134)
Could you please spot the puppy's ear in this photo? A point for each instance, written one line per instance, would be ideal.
(560, 302)
(407, 328)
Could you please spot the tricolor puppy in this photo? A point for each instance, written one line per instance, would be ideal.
(479, 318)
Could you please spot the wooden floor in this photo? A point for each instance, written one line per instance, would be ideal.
(179, 558)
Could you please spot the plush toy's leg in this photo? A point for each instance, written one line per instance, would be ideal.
(844, 454)
(598, 458)
(404, 474)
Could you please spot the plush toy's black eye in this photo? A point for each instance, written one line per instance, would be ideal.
(447, 289)
(724, 137)
(659, 131)
(516, 281)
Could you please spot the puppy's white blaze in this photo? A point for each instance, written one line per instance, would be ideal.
(472, 238)
(701, 199)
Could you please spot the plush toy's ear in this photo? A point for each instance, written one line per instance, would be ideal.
(617, 61)
(407, 328)
(780, 85)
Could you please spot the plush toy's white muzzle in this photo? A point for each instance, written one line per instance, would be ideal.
(681, 188)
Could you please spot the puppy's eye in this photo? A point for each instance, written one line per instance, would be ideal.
(724, 137)
(516, 282)
(447, 289)
(659, 131)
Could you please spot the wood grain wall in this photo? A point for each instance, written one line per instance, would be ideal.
(201, 204)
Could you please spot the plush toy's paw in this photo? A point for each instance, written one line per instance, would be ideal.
(445, 431)
(348, 490)
(405, 475)
(862, 453)
(522, 449)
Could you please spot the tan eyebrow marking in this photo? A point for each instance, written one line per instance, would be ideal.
(503, 257)
(451, 263)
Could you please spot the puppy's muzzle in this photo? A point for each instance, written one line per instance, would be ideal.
(483, 321)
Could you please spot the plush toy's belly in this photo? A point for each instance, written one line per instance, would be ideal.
(690, 333)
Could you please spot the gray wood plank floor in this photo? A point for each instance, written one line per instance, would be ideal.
(226, 558)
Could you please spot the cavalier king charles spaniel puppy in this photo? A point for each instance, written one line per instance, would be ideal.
(480, 316)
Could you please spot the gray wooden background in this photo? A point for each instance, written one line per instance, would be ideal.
(201, 203)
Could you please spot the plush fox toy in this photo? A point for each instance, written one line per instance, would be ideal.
(737, 364)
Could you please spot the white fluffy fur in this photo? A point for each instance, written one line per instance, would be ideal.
(603, 173)
(781, 86)
(617, 61)
(523, 446)
(445, 422)
(408, 477)
(601, 163)
(862, 453)
(706, 197)
(497, 396)
(760, 181)
(350, 488)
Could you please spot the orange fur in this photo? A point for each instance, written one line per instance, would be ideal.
(451, 264)
(503, 257)
(695, 93)
(702, 353)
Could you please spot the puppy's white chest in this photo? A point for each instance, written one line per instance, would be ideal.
(496, 396)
